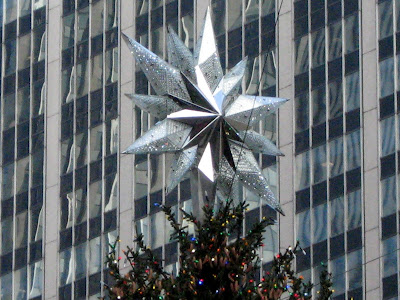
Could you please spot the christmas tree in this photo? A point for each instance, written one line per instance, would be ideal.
(217, 262)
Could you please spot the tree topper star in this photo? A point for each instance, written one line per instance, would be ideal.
(205, 122)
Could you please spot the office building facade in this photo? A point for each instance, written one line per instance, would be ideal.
(67, 191)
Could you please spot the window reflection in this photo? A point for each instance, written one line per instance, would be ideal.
(23, 104)
(302, 104)
(37, 224)
(7, 181)
(335, 40)
(388, 188)
(352, 91)
(82, 79)
(303, 228)
(95, 256)
(97, 72)
(353, 150)
(388, 142)
(36, 282)
(338, 267)
(95, 199)
(10, 57)
(251, 10)
(65, 264)
(303, 170)
(21, 230)
(336, 160)
(319, 163)
(386, 19)
(389, 256)
(318, 47)
(354, 209)
(337, 216)
(112, 13)
(111, 70)
(319, 106)
(270, 248)
(354, 264)
(235, 14)
(352, 33)
(10, 10)
(157, 232)
(80, 267)
(320, 214)
(8, 111)
(386, 70)
(6, 287)
(80, 206)
(335, 99)
(112, 132)
(22, 175)
(7, 235)
(301, 55)
(111, 197)
(68, 31)
(24, 51)
(97, 18)
(83, 25)
(269, 75)
(188, 28)
(20, 283)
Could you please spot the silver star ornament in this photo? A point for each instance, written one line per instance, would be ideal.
(205, 122)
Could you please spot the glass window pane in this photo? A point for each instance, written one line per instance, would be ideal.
(36, 280)
(24, 51)
(37, 224)
(304, 229)
(386, 70)
(112, 13)
(157, 232)
(81, 260)
(97, 72)
(8, 111)
(218, 16)
(7, 181)
(112, 131)
(21, 230)
(337, 216)
(66, 267)
(111, 69)
(336, 160)
(111, 196)
(6, 235)
(22, 175)
(354, 265)
(188, 29)
(389, 256)
(386, 19)
(10, 57)
(352, 91)
(319, 106)
(302, 112)
(97, 17)
(320, 214)
(81, 149)
(21, 283)
(24, 7)
(339, 280)
(142, 227)
(251, 10)
(353, 150)
(82, 79)
(23, 105)
(269, 75)
(271, 246)
(95, 256)
(10, 10)
(301, 55)
(83, 25)
(354, 209)
(388, 189)
(80, 206)
(69, 31)
(388, 142)
(335, 99)
(157, 41)
(352, 33)
(6, 287)
(318, 47)
(39, 45)
(39, 89)
(319, 163)
(302, 170)
(68, 85)
(252, 77)
(335, 40)
(95, 199)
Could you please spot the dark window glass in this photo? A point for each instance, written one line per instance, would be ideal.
(171, 251)
(68, 6)
(335, 69)
(25, 24)
(390, 286)
(336, 187)
(82, 51)
(65, 292)
(185, 190)
(82, 3)
(301, 83)
(335, 127)
(269, 213)
(112, 38)
(318, 76)
(356, 294)
(352, 120)
(37, 196)
(386, 47)
(110, 221)
(157, 18)
(6, 263)
(65, 238)
(386, 106)
(234, 56)
(354, 239)
(8, 145)
(318, 134)
(142, 24)
(388, 165)
(337, 246)
(319, 193)
(95, 227)
(94, 283)
(353, 178)
(95, 170)
(24, 77)
(80, 233)
(35, 251)
(67, 58)
(317, 17)
(9, 84)
(334, 12)
(7, 208)
(10, 30)
(80, 288)
(39, 70)
(22, 258)
(389, 227)
(251, 218)
(140, 208)
(303, 262)
(268, 21)
(23, 148)
(302, 141)
(111, 164)
(352, 62)
(320, 253)
(97, 45)
(267, 161)
(340, 297)
(171, 11)
(301, 9)
(66, 183)
(155, 200)
(22, 202)
(350, 6)
(300, 26)
(39, 16)
(268, 41)
(187, 7)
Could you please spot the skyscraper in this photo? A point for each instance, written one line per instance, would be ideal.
(67, 190)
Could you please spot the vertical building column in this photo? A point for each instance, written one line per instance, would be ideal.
(370, 150)
(127, 123)
(53, 150)
(286, 123)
